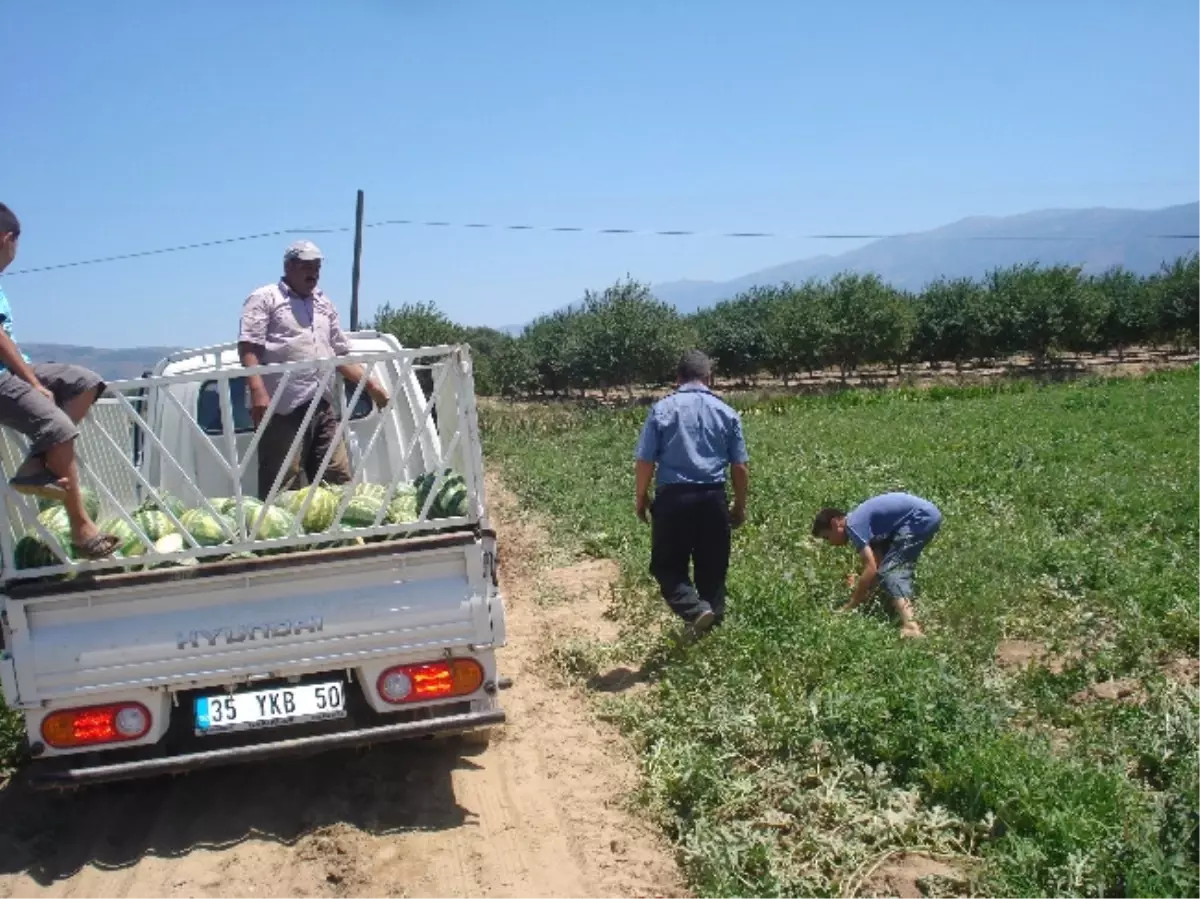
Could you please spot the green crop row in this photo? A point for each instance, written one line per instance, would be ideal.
(794, 751)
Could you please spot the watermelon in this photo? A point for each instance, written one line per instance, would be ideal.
(403, 507)
(131, 543)
(32, 552)
(165, 501)
(451, 500)
(321, 510)
(55, 520)
(91, 503)
(155, 524)
(204, 528)
(362, 510)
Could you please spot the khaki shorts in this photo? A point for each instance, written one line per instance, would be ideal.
(33, 414)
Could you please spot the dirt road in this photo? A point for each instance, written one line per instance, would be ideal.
(539, 812)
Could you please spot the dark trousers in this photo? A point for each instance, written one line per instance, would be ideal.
(690, 525)
(277, 440)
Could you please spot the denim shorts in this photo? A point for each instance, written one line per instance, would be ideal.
(900, 555)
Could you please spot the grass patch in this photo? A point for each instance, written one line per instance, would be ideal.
(793, 748)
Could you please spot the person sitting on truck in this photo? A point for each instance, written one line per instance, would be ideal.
(45, 401)
(688, 440)
(292, 320)
(889, 532)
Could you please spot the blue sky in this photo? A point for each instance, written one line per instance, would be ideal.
(135, 125)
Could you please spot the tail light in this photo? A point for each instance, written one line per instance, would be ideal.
(429, 680)
(116, 723)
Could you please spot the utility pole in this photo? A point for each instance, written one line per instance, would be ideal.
(358, 229)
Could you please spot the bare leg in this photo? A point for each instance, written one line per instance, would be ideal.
(79, 405)
(75, 408)
(60, 459)
(908, 624)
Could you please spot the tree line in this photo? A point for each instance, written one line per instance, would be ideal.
(624, 336)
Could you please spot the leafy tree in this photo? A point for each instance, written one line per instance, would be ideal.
(734, 334)
(417, 324)
(950, 321)
(866, 322)
(1048, 309)
(627, 336)
(1129, 311)
(1175, 290)
(799, 328)
(514, 368)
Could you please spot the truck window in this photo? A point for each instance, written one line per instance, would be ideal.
(208, 406)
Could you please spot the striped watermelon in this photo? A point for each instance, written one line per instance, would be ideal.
(155, 524)
(362, 511)
(32, 552)
(55, 520)
(321, 510)
(451, 499)
(131, 543)
(403, 507)
(91, 503)
(165, 501)
(206, 530)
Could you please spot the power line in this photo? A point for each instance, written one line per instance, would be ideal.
(574, 229)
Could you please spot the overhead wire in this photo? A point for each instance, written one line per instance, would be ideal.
(575, 229)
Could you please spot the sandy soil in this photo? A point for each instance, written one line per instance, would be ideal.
(541, 811)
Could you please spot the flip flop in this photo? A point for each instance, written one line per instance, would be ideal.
(43, 483)
(99, 547)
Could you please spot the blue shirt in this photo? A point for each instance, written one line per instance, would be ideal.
(6, 323)
(692, 436)
(881, 516)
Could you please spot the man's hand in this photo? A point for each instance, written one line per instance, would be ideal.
(43, 390)
(259, 400)
(737, 515)
(642, 508)
(378, 395)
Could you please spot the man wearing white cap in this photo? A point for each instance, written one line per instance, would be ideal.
(292, 320)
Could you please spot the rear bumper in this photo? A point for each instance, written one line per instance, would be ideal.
(71, 777)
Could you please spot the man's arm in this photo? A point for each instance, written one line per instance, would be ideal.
(645, 476)
(352, 373)
(252, 340)
(645, 456)
(739, 470)
(741, 485)
(865, 579)
(250, 355)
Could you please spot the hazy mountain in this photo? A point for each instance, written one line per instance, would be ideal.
(112, 364)
(1094, 238)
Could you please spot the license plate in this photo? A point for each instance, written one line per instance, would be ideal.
(268, 708)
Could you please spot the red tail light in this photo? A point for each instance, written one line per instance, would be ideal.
(429, 680)
(116, 723)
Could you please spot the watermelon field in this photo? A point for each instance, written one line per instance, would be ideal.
(1041, 741)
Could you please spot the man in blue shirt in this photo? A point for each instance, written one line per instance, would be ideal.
(45, 402)
(890, 532)
(690, 437)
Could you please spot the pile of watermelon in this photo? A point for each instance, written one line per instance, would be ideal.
(364, 507)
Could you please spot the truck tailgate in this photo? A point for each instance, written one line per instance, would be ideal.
(323, 611)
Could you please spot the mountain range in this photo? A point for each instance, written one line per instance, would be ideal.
(1096, 239)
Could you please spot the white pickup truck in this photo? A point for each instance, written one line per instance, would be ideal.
(198, 651)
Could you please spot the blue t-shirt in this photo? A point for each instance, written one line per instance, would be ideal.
(692, 436)
(881, 516)
(6, 323)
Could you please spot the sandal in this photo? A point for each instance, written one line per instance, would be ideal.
(99, 547)
(43, 483)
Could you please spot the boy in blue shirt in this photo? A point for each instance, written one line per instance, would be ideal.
(890, 532)
(45, 402)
